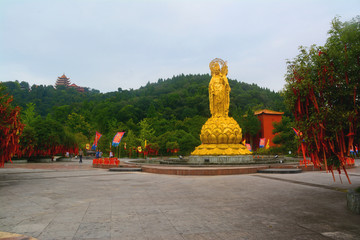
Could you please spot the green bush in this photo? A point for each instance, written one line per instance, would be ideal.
(269, 151)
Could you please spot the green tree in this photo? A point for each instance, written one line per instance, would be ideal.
(24, 86)
(132, 142)
(194, 125)
(250, 124)
(187, 142)
(171, 146)
(78, 124)
(151, 112)
(285, 135)
(28, 138)
(29, 115)
(49, 135)
(81, 140)
(146, 132)
(60, 113)
(131, 139)
(322, 90)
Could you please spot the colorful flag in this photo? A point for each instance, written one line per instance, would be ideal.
(248, 146)
(117, 139)
(267, 144)
(87, 146)
(352, 150)
(97, 137)
(139, 149)
(262, 142)
(296, 131)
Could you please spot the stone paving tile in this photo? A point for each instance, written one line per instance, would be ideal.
(69, 217)
(97, 230)
(158, 224)
(57, 226)
(164, 236)
(97, 217)
(34, 225)
(129, 236)
(312, 236)
(233, 235)
(129, 227)
(58, 235)
(202, 236)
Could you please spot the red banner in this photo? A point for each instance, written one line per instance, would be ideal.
(97, 137)
(248, 146)
(262, 142)
(117, 139)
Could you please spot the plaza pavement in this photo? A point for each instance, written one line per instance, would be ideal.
(75, 201)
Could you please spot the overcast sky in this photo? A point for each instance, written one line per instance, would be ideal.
(107, 44)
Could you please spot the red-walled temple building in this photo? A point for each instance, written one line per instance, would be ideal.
(267, 118)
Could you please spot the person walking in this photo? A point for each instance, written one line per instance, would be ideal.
(80, 155)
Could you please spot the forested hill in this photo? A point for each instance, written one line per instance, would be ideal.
(169, 104)
(179, 97)
(187, 96)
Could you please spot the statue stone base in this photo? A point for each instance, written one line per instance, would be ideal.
(220, 136)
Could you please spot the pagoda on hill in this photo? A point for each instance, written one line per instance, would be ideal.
(62, 81)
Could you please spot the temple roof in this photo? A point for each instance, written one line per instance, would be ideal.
(267, 111)
(63, 76)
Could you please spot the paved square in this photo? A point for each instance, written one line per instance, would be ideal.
(72, 201)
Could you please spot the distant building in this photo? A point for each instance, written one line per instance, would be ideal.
(267, 118)
(65, 81)
(79, 89)
(62, 81)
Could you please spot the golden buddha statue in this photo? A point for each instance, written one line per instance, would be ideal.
(219, 90)
(221, 134)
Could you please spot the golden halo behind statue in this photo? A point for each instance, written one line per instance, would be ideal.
(215, 61)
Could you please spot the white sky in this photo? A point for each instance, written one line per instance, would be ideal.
(106, 44)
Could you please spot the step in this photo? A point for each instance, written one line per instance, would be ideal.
(122, 169)
(280, 170)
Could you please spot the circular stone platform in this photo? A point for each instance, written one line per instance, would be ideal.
(201, 171)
